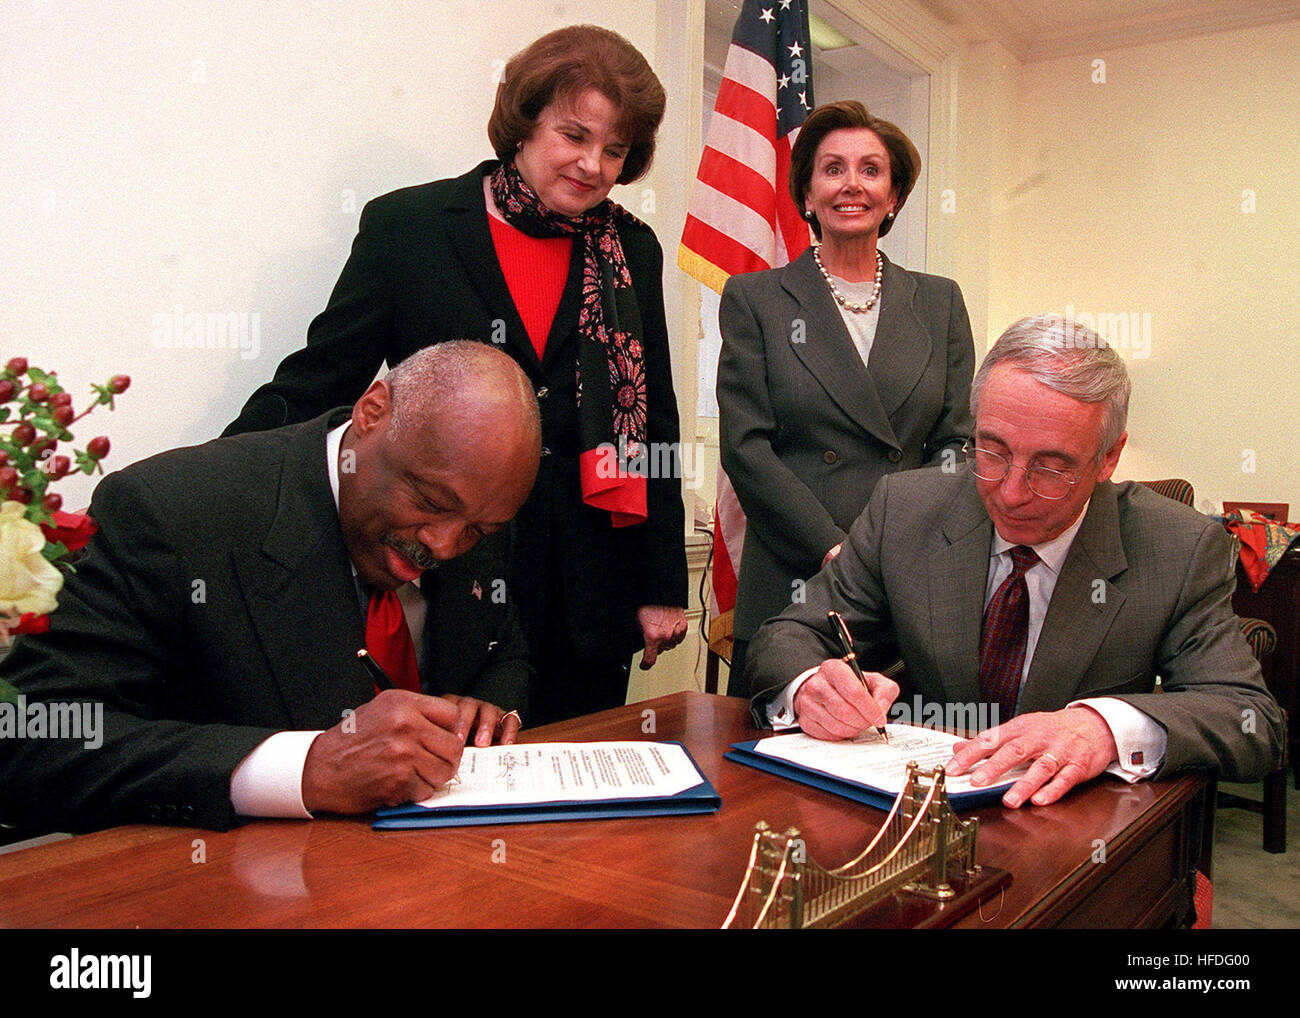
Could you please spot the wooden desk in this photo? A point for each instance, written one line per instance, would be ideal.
(676, 872)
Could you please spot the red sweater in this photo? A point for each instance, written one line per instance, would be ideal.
(536, 269)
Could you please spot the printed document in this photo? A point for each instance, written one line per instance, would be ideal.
(567, 772)
(869, 761)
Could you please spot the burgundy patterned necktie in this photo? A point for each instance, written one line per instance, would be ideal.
(1004, 634)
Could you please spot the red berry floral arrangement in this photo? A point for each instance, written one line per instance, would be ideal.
(36, 536)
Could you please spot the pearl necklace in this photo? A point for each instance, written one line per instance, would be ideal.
(840, 299)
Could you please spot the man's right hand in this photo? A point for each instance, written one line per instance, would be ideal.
(399, 747)
(833, 705)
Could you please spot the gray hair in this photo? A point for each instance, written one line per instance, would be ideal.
(1071, 359)
(438, 376)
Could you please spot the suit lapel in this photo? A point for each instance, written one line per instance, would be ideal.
(300, 592)
(829, 354)
(1083, 607)
(901, 349)
(465, 227)
(958, 574)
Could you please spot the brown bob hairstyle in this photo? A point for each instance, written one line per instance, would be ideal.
(904, 159)
(563, 64)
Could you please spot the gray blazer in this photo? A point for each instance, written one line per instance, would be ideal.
(1145, 590)
(807, 430)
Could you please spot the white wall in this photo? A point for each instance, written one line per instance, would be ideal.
(1132, 196)
(215, 158)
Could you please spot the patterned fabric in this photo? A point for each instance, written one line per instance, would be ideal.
(1203, 901)
(1260, 635)
(1004, 635)
(611, 366)
(1263, 542)
(1174, 487)
(388, 640)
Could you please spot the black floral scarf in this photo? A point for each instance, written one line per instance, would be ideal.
(611, 360)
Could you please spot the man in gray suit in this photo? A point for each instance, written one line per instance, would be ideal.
(1122, 585)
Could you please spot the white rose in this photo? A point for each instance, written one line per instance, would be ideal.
(28, 583)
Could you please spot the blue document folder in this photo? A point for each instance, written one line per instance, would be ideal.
(880, 798)
(701, 798)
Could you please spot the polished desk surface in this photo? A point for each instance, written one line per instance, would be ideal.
(659, 871)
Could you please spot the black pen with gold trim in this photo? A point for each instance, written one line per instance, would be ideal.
(851, 658)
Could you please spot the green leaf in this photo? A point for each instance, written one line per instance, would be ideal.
(4, 413)
(36, 374)
(37, 514)
(53, 551)
(7, 693)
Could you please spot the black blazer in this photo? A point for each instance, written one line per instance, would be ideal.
(423, 269)
(214, 607)
(807, 429)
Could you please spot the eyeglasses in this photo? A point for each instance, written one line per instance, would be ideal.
(1043, 481)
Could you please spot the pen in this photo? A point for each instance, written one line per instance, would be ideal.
(382, 680)
(380, 677)
(851, 658)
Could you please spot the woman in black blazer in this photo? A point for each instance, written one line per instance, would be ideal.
(836, 369)
(528, 252)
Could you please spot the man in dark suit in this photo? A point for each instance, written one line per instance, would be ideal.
(1032, 583)
(218, 611)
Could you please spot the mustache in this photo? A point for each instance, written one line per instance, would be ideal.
(419, 555)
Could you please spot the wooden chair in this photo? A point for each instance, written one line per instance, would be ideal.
(1263, 641)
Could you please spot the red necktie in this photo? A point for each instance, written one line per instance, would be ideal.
(1004, 635)
(389, 641)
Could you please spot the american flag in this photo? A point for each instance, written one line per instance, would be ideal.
(741, 217)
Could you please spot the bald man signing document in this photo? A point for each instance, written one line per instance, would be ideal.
(216, 617)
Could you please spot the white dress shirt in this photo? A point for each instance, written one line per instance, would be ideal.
(1137, 736)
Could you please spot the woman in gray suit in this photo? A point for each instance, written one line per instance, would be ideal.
(836, 369)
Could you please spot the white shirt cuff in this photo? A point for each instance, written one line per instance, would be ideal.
(268, 782)
(1140, 741)
(780, 712)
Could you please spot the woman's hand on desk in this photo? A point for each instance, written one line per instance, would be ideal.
(663, 627)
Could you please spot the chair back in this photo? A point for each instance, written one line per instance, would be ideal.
(1175, 488)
